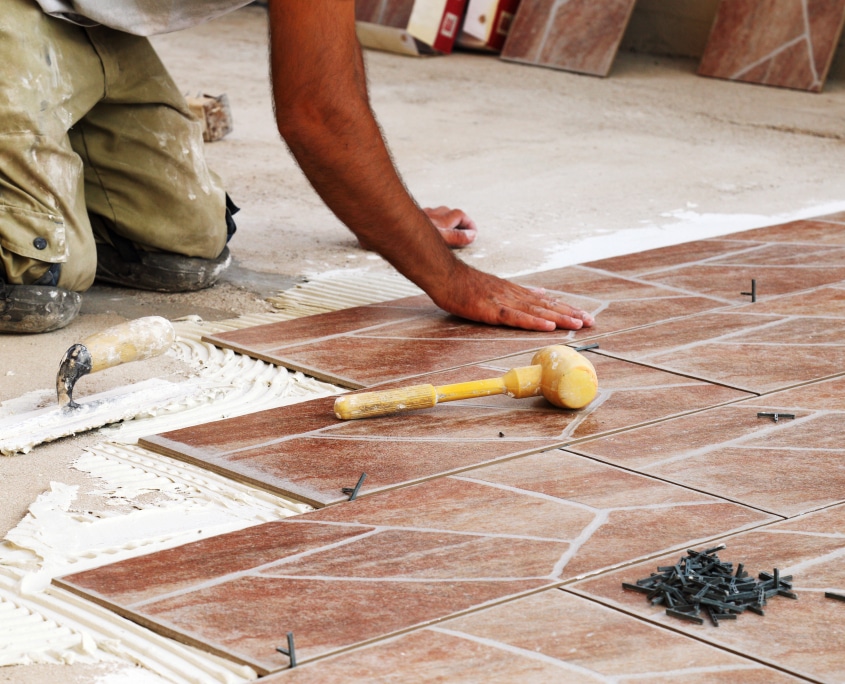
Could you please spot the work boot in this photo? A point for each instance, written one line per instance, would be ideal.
(159, 271)
(38, 307)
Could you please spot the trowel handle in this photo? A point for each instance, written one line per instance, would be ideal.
(517, 382)
(131, 341)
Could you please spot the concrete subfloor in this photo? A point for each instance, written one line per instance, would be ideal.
(556, 168)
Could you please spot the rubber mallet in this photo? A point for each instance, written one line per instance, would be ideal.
(559, 373)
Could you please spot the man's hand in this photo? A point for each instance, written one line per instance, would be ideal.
(455, 227)
(485, 298)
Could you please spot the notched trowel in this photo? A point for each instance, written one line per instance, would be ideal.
(131, 341)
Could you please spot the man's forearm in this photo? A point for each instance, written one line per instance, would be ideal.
(323, 114)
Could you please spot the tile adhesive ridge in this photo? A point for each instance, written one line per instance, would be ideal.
(152, 502)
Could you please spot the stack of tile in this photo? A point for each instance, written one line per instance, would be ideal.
(786, 43)
(491, 537)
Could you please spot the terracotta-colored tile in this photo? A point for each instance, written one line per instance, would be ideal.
(430, 555)
(683, 437)
(552, 496)
(828, 395)
(409, 447)
(273, 336)
(579, 35)
(751, 366)
(315, 470)
(552, 636)
(827, 302)
(791, 466)
(806, 479)
(662, 258)
(183, 568)
(758, 352)
(838, 217)
(728, 282)
(623, 315)
(463, 504)
(600, 286)
(786, 255)
(358, 361)
(619, 502)
(250, 430)
(798, 636)
(364, 570)
(821, 230)
(642, 343)
(250, 616)
(788, 43)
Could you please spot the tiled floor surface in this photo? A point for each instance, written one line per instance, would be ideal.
(787, 43)
(491, 537)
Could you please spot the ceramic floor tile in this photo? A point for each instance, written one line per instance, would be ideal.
(788, 467)
(552, 636)
(803, 636)
(825, 302)
(820, 230)
(362, 584)
(271, 337)
(660, 259)
(578, 35)
(728, 280)
(589, 507)
(316, 463)
(762, 347)
(364, 346)
(402, 559)
(788, 43)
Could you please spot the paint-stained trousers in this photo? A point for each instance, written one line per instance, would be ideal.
(95, 139)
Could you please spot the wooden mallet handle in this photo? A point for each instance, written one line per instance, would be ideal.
(517, 382)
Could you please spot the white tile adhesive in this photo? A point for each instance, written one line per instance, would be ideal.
(152, 502)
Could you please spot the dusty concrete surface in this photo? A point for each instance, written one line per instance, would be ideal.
(554, 167)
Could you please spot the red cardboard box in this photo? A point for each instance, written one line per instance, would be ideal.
(487, 23)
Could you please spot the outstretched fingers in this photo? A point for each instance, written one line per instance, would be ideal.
(563, 315)
(487, 299)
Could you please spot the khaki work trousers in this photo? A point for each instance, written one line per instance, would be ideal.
(92, 127)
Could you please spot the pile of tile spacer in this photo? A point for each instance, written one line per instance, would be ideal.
(700, 583)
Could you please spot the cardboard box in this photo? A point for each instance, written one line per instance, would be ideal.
(487, 23)
(413, 27)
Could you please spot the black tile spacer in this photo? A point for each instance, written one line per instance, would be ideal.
(353, 491)
(753, 293)
(290, 652)
(594, 345)
(775, 416)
